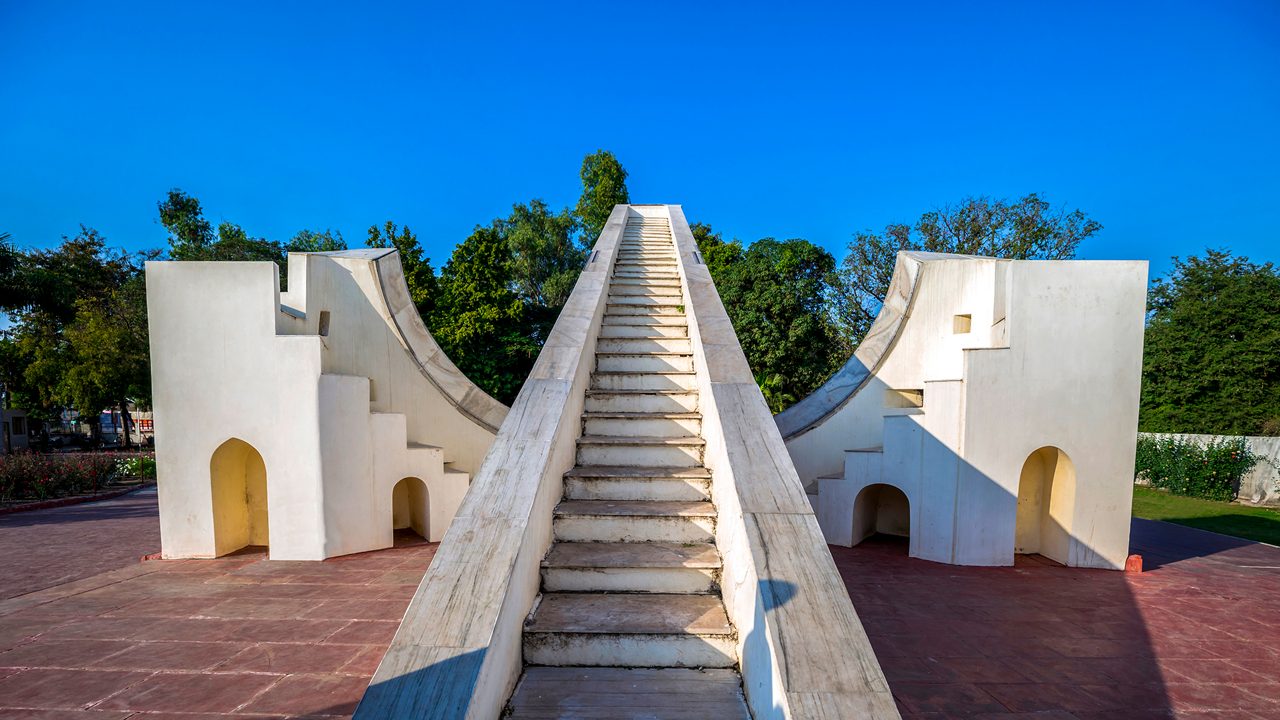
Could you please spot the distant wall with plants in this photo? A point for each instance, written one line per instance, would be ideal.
(1214, 467)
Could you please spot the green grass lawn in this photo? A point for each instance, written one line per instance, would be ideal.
(1251, 523)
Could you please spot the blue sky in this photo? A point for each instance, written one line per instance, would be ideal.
(783, 119)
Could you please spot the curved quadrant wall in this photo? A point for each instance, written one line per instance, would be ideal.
(335, 386)
(973, 366)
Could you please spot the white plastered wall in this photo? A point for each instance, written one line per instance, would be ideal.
(1052, 357)
(337, 418)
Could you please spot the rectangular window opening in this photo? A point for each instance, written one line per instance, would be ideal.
(324, 323)
(910, 398)
(961, 324)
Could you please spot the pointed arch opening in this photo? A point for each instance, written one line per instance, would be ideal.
(1046, 504)
(882, 509)
(238, 479)
(410, 507)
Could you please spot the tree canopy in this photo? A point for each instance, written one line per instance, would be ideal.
(777, 296)
(1024, 229)
(79, 336)
(1212, 357)
(604, 184)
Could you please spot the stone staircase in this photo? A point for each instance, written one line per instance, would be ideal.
(630, 622)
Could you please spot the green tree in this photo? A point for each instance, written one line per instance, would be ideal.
(10, 265)
(316, 242)
(481, 323)
(79, 336)
(776, 294)
(418, 273)
(191, 237)
(1211, 363)
(189, 233)
(604, 184)
(1024, 229)
(545, 259)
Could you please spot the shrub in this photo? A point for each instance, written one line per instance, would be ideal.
(136, 466)
(33, 476)
(1184, 467)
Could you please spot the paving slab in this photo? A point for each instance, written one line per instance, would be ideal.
(1197, 635)
(240, 636)
(44, 548)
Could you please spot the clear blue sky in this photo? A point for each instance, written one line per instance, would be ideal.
(1161, 120)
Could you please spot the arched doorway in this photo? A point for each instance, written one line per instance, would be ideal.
(1046, 502)
(881, 509)
(410, 506)
(239, 484)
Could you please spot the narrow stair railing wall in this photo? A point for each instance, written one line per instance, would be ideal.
(803, 651)
(457, 653)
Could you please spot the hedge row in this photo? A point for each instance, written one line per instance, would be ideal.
(1184, 467)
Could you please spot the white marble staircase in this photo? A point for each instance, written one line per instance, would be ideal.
(630, 622)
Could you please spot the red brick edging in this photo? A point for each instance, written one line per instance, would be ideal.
(75, 500)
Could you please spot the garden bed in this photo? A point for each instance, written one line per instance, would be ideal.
(29, 479)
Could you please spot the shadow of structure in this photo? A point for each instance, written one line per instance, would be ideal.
(1195, 637)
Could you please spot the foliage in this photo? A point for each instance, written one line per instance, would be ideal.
(418, 273)
(545, 259)
(191, 236)
(315, 242)
(776, 295)
(1185, 467)
(481, 323)
(1252, 523)
(136, 466)
(189, 233)
(1211, 363)
(604, 184)
(33, 476)
(79, 339)
(10, 262)
(504, 286)
(1025, 229)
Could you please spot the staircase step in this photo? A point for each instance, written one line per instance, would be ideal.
(642, 400)
(646, 486)
(640, 451)
(653, 567)
(625, 424)
(644, 345)
(673, 318)
(613, 308)
(667, 380)
(638, 290)
(643, 362)
(649, 332)
(629, 630)
(675, 299)
(634, 521)
(610, 693)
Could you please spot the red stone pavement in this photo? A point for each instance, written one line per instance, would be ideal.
(1197, 636)
(43, 548)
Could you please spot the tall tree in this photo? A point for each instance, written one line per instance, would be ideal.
(79, 338)
(481, 322)
(776, 294)
(1024, 229)
(1211, 363)
(189, 233)
(418, 273)
(545, 259)
(604, 184)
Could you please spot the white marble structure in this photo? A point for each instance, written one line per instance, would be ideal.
(314, 421)
(991, 410)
